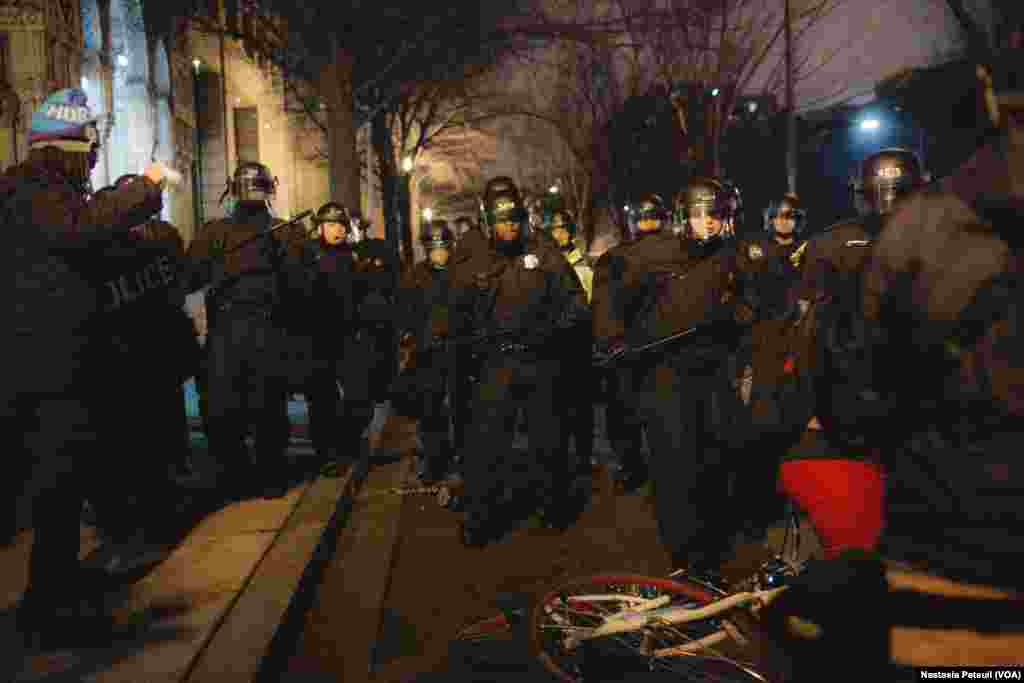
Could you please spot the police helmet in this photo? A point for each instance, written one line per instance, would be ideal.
(560, 218)
(332, 212)
(436, 235)
(648, 206)
(787, 207)
(502, 203)
(886, 176)
(253, 182)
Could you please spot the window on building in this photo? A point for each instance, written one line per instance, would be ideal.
(5, 62)
(247, 134)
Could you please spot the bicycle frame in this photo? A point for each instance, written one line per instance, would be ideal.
(649, 612)
(644, 612)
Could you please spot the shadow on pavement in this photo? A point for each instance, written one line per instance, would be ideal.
(134, 633)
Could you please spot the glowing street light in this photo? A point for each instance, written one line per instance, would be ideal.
(122, 60)
(752, 107)
(196, 63)
(553, 189)
(407, 164)
(428, 214)
(714, 92)
(870, 124)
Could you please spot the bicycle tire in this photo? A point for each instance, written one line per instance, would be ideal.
(705, 663)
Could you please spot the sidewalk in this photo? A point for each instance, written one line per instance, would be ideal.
(210, 611)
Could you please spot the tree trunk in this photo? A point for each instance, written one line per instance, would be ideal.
(383, 149)
(343, 158)
(406, 218)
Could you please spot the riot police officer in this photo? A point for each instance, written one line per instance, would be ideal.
(580, 385)
(371, 354)
(424, 297)
(767, 272)
(327, 272)
(834, 447)
(652, 288)
(245, 381)
(520, 296)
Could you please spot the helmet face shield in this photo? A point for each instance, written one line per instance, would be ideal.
(885, 177)
(253, 183)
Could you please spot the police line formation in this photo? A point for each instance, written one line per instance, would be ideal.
(815, 362)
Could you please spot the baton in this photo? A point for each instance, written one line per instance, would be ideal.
(604, 361)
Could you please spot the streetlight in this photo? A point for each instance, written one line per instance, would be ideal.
(122, 60)
(553, 189)
(407, 164)
(196, 63)
(428, 214)
(870, 124)
(714, 92)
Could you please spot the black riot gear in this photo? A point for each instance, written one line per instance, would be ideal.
(502, 203)
(437, 235)
(886, 176)
(562, 220)
(253, 182)
(332, 212)
(787, 207)
(702, 198)
(648, 207)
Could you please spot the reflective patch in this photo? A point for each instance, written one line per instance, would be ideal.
(858, 243)
(755, 252)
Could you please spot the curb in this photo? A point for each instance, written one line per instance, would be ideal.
(269, 609)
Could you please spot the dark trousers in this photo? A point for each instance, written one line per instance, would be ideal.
(58, 451)
(323, 399)
(578, 388)
(688, 463)
(623, 424)
(510, 382)
(362, 370)
(246, 389)
(141, 425)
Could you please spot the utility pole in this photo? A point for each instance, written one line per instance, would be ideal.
(791, 159)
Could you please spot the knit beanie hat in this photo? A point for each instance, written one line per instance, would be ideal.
(65, 121)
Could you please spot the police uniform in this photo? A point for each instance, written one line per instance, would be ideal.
(246, 387)
(767, 275)
(524, 301)
(424, 297)
(646, 290)
(328, 315)
(140, 282)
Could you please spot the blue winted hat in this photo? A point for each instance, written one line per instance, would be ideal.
(64, 120)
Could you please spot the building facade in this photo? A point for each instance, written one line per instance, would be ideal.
(181, 93)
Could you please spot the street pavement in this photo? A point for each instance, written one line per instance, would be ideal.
(404, 559)
(210, 610)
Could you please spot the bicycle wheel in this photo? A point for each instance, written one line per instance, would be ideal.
(562, 621)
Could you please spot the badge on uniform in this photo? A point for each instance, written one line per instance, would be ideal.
(755, 252)
(530, 261)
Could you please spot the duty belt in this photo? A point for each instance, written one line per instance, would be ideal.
(515, 347)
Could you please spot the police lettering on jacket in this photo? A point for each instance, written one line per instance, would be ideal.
(129, 287)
